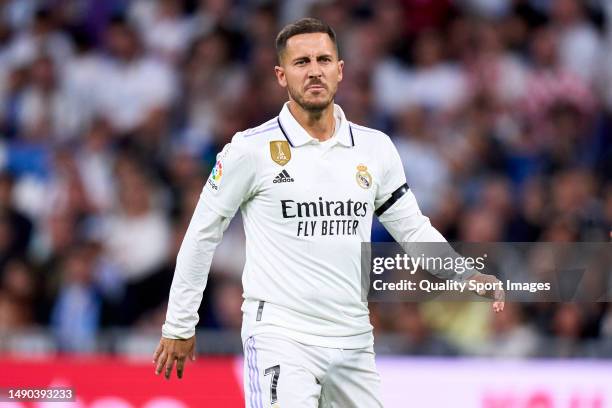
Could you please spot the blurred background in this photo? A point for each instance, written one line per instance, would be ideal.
(112, 112)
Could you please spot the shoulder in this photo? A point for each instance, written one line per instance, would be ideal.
(365, 131)
(370, 136)
(259, 133)
(249, 141)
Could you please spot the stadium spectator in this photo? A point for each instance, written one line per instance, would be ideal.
(579, 42)
(163, 27)
(17, 296)
(41, 36)
(212, 82)
(136, 234)
(76, 313)
(135, 83)
(427, 170)
(511, 336)
(17, 226)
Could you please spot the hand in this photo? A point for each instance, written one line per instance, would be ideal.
(497, 294)
(170, 350)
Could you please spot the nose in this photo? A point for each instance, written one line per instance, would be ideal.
(315, 70)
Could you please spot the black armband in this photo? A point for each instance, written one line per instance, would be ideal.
(397, 194)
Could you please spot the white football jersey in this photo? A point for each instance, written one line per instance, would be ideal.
(306, 206)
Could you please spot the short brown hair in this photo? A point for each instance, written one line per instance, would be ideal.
(303, 26)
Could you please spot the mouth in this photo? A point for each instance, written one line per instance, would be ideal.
(317, 87)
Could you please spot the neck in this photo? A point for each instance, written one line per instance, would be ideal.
(319, 124)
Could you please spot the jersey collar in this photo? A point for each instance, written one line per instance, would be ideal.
(297, 136)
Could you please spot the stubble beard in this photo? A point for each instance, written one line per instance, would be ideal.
(311, 107)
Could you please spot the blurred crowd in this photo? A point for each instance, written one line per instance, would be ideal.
(112, 112)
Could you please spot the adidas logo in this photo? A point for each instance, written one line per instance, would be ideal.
(283, 177)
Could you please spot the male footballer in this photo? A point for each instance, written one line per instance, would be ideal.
(308, 183)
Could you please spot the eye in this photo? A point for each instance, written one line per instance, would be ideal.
(300, 62)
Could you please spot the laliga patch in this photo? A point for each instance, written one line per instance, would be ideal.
(363, 177)
(280, 151)
(215, 176)
(214, 180)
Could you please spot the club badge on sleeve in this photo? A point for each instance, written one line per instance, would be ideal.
(280, 151)
(363, 177)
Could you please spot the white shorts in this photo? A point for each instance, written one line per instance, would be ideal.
(282, 373)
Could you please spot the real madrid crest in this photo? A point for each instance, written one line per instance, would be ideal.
(363, 177)
(280, 151)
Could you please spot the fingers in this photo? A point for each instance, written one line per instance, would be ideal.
(498, 304)
(158, 350)
(169, 365)
(161, 361)
(168, 351)
(182, 358)
(165, 363)
(192, 353)
(180, 366)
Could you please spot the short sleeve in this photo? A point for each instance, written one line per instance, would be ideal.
(231, 181)
(393, 176)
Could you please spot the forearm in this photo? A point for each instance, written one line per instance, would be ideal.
(413, 228)
(192, 266)
(408, 225)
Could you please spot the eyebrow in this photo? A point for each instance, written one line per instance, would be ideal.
(304, 57)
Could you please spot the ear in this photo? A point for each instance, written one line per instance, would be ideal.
(280, 76)
(340, 69)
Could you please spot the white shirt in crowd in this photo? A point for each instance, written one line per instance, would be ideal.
(132, 90)
(440, 87)
(139, 244)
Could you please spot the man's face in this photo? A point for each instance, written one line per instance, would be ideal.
(310, 70)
